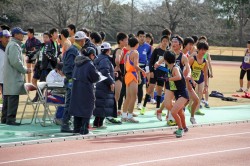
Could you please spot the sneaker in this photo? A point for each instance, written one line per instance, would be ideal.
(124, 119)
(206, 105)
(200, 106)
(153, 101)
(139, 106)
(132, 120)
(113, 121)
(192, 120)
(143, 110)
(179, 133)
(240, 90)
(198, 112)
(171, 123)
(246, 90)
(185, 130)
(159, 115)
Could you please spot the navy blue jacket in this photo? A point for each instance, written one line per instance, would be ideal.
(105, 99)
(69, 61)
(82, 95)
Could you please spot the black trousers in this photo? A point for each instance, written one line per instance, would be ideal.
(10, 106)
(81, 125)
(122, 94)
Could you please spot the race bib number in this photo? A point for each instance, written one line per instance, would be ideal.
(162, 64)
(196, 74)
(247, 58)
(172, 85)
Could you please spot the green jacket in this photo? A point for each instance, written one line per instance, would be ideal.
(14, 69)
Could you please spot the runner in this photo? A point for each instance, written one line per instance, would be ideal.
(32, 46)
(118, 57)
(72, 31)
(132, 78)
(150, 41)
(200, 70)
(157, 54)
(183, 63)
(177, 81)
(144, 51)
(65, 42)
(210, 73)
(245, 68)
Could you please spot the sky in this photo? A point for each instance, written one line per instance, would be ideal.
(139, 2)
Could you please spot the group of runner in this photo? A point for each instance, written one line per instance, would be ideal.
(179, 68)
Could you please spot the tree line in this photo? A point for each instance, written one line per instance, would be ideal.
(224, 22)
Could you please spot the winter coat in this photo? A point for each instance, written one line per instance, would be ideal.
(14, 69)
(82, 95)
(105, 100)
(69, 60)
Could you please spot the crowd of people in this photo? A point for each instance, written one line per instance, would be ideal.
(176, 67)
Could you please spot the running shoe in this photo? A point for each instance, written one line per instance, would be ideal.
(185, 130)
(198, 112)
(240, 90)
(159, 115)
(206, 105)
(143, 110)
(139, 106)
(171, 123)
(132, 120)
(200, 106)
(113, 121)
(179, 133)
(192, 120)
(124, 119)
(153, 101)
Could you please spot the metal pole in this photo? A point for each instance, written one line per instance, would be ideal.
(132, 16)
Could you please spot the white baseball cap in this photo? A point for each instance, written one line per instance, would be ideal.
(105, 46)
(80, 35)
(5, 33)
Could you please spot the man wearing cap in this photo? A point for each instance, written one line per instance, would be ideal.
(14, 76)
(4, 40)
(68, 66)
(83, 98)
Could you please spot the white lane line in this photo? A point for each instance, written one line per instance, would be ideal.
(122, 147)
(192, 155)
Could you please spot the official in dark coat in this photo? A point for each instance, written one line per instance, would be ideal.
(105, 102)
(82, 97)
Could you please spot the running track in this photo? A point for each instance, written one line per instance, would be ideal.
(222, 145)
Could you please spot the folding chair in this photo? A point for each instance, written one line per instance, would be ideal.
(41, 86)
(29, 88)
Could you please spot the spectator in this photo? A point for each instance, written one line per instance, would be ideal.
(84, 76)
(68, 66)
(105, 98)
(14, 78)
(72, 31)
